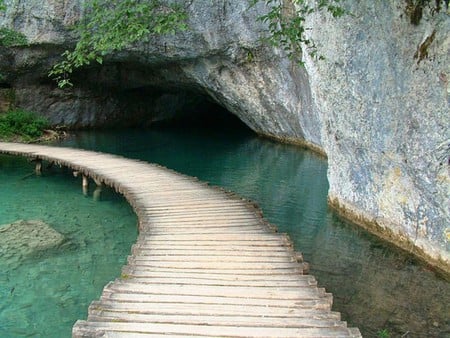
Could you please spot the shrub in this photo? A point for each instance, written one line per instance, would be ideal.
(22, 124)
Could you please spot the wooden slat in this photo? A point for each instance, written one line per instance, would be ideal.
(187, 257)
(317, 303)
(250, 319)
(193, 275)
(279, 293)
(215, 331)
(209, 309)
(136, 278)
(233, 272)
(194, 251)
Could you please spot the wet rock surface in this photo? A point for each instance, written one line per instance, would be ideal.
(24, 239)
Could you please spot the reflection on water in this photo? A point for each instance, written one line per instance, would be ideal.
(43, 292)
(375, 286)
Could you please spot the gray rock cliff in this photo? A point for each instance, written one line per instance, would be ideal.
(378, 106)
(386, 120)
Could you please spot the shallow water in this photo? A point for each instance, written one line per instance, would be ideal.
(43, 294)
(375, 286)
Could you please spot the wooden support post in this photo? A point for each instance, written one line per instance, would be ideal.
(85, 185)
(85, 181)
(299, 257)
(98, 190)
(38, 168)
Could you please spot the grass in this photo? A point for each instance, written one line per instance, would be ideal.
(383, 334)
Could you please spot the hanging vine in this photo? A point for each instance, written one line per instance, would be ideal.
(286, 22)
(110, 26)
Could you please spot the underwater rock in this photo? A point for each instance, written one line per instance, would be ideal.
(25, 238)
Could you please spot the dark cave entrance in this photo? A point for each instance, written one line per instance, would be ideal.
(151, 96)
(151, 107)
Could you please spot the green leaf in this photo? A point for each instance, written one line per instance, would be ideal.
(111, 26)
(289, 31)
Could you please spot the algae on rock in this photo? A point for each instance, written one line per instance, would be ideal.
(24, 239)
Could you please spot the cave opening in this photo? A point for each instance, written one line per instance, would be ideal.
(176, 107)
(154, 96)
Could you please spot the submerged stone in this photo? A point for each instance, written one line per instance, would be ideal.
(25, 238)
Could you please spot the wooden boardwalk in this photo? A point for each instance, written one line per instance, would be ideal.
(205, 263)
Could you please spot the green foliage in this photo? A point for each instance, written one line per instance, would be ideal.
(287, 28)
(10, 38)
(21, 124)
(110, 26)
(383, 333)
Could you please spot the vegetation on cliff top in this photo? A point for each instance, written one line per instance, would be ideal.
(9, 37)
(110, 26)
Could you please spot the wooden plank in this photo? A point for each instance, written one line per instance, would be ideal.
(152, 223)
(130, 271)
(264, 267)
(155, 204)
(208, 309)
(227, 237)
(255, 272)
(266, 245)
(195, 251)
(198, 213)
(178, 280)
(216, 259)
(217, 331)
(215, 217)
(203, 230)
(211, 320)
(280, 293)
(210, 249)
(187, 206)
(323, 303)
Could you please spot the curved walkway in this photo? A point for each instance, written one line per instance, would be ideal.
(205, 263)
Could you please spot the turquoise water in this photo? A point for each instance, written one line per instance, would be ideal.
(374, 285)
(44, 293)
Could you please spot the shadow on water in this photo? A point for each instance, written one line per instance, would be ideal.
(375, 286)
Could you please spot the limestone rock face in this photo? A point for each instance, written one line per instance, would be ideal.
(378, 105)
(386, 119)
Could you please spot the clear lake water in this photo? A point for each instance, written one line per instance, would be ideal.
(375, 286)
